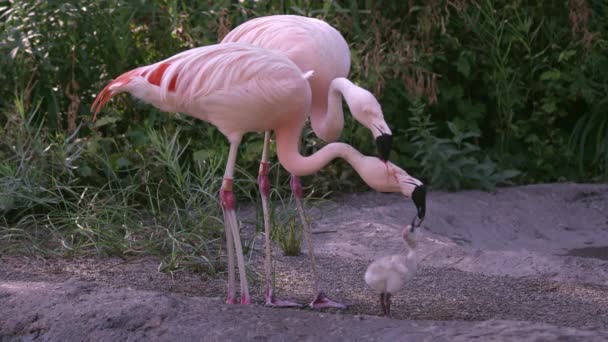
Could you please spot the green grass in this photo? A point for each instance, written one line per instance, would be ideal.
(285, 226)
(53, 203)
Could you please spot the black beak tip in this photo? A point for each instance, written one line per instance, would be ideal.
(384, 144)
(419, 198)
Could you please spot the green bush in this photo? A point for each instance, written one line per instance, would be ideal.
(522, 75)
(452, 163)
(472, 90)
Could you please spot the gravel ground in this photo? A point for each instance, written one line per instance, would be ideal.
(88, 311)
(520, 275)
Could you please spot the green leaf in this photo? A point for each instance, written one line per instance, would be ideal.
(566, 55)
(201, 155)
(416, 9)
(549, 106)
(106, 120)
(550, 75)
(463, 65)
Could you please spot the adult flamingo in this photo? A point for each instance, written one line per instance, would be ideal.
(241, 88)
(312, 44)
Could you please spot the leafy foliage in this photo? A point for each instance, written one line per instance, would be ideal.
(155, 202)
(456, 162)
(522, 75)
(491, 87)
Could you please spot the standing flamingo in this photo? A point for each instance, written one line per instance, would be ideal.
(241, 88)
(312, 44)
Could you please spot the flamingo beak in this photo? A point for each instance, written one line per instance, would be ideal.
(384, 144)
(419, 198)
(104, 96)
(100, 101)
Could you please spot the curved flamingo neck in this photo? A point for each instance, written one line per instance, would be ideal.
(288, 143)
(328, 121)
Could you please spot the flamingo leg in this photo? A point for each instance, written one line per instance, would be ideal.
(321, 300)
(387, 303)
(264, 185)
(382, 303)
(230, 294)
(228, 203)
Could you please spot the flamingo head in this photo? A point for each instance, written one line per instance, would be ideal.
(388, 177)
(417, 192)
(113, 88)
(366, 109)
(384, 145)
(102, 98)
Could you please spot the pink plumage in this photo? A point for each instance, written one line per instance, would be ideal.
(204, 83)
(312, 44)
(241, 88)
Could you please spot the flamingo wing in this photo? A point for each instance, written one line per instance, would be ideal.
(232, 86)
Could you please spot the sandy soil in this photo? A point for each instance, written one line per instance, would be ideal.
(525, 263)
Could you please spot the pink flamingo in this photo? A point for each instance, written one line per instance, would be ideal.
(241, 88)
(313, 44)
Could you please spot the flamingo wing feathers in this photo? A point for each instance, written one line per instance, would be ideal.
(229, 72)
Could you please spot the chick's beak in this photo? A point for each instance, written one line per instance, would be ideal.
(384, 144)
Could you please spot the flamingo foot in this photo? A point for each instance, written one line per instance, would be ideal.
(245, 299)
(231, 300)
(273, 302)
(281, 303)
(322, 302)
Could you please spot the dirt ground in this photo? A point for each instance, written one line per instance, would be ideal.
(524, 263)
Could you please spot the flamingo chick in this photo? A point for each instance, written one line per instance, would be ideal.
(388, 274)
(240, 88)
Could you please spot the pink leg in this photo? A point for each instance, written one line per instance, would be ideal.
(228, 201)
(231, 291)
(321, 300)
(264, 185)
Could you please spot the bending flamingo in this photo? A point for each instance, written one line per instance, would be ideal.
(241, 88)
(313, 44)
